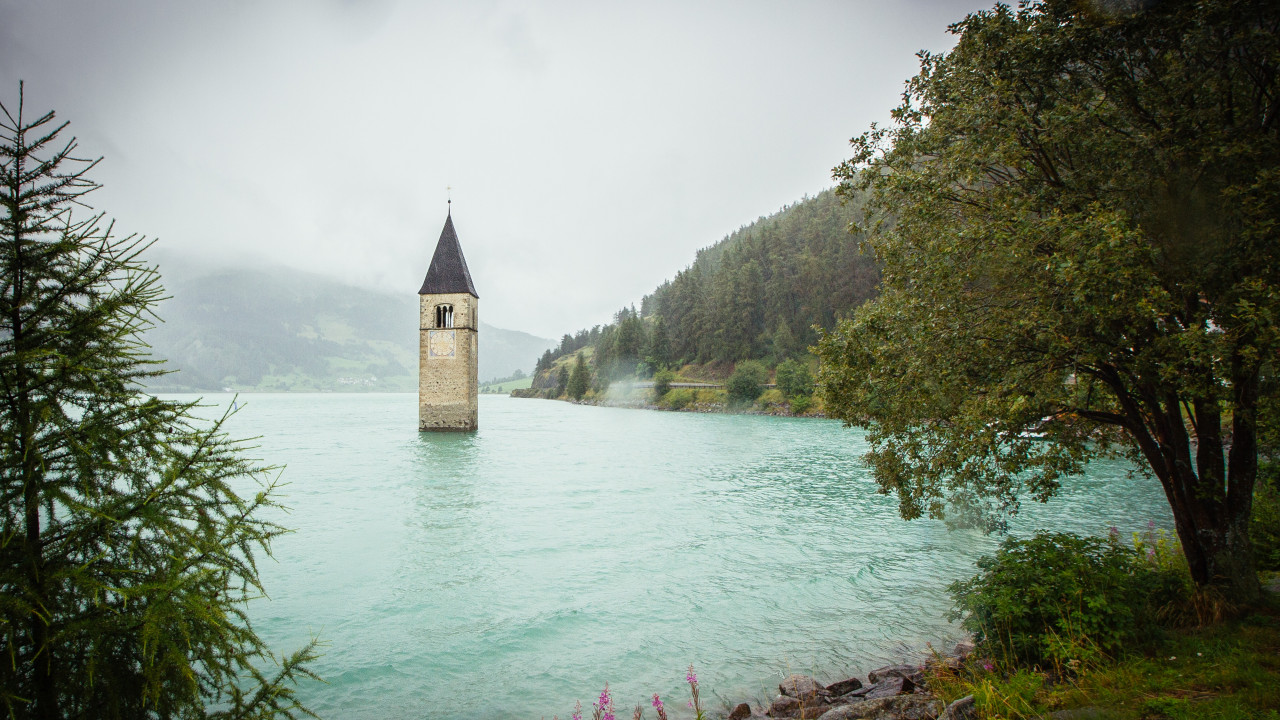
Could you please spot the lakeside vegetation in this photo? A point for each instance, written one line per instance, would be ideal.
(1074, 212)
(1081, 260)
(128, 554)
(1039, 309)
(760, 296)
(1076, 209)
(516, 381)
(1086, 628)
(1181, 669)
(749, 386)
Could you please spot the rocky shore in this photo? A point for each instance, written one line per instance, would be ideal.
(893, 692)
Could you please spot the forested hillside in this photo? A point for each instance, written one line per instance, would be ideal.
(756, 294)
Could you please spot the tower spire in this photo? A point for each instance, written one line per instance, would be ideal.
(448, 272)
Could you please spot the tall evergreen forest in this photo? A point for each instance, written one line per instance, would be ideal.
(757, 294)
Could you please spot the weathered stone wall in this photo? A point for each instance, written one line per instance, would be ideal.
(448, 368)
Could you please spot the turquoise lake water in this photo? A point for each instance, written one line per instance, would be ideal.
(509, 572)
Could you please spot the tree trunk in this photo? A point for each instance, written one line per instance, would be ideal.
(1218, 551)
(1212, 521)
(1210, 512)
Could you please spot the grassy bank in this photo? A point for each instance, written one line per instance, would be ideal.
(1228, 671)
(506, 386)
(748, 387)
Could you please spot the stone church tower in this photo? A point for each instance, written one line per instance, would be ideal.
(448, 376)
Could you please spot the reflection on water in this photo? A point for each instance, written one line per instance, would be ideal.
(513, 570)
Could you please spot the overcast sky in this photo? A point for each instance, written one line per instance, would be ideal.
(591, 147)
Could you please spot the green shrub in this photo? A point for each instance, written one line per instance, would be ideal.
(801, 404)
(677, 398)
(747, 382)
(662, 383)
(710, 397)
(794, 379)
(1062, 600)
(772, 396)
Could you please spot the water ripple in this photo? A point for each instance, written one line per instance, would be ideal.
(510, 571)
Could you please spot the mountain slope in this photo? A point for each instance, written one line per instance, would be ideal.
(757, 294)
(281, 330)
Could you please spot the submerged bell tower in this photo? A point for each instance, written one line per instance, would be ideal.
(448, 374)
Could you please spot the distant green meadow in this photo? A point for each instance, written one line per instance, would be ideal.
(507, 386)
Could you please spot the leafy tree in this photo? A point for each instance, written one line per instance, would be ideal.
(747, 382)
(794, 379)
(1083, 260)
(127, 556)
(579, 379)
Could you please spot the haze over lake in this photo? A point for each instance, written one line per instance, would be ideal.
(511, 571)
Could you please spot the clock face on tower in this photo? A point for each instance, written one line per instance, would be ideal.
(441, 343)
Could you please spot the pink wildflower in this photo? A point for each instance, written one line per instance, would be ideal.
(604, 707)
(692, 679)
(657, 703)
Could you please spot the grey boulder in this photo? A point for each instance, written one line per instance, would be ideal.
(844, 687)
(903, 707)
(802, 687)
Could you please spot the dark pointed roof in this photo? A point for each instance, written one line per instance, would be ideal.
(448, 272)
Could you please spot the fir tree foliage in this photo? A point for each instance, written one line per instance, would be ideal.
(658, 352)
(760, 292)
(1083, 259)
(757, 294)
(579, 379)
(127, 553)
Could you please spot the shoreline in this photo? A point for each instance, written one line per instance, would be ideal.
(898, 691)
(701, 408)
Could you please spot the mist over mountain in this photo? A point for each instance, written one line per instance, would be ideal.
(276, 329)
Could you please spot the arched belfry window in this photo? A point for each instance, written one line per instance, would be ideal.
(444, 316)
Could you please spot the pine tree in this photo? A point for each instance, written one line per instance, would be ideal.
(659, 351)
(126, 556)
(562, 380)
(579, 379)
